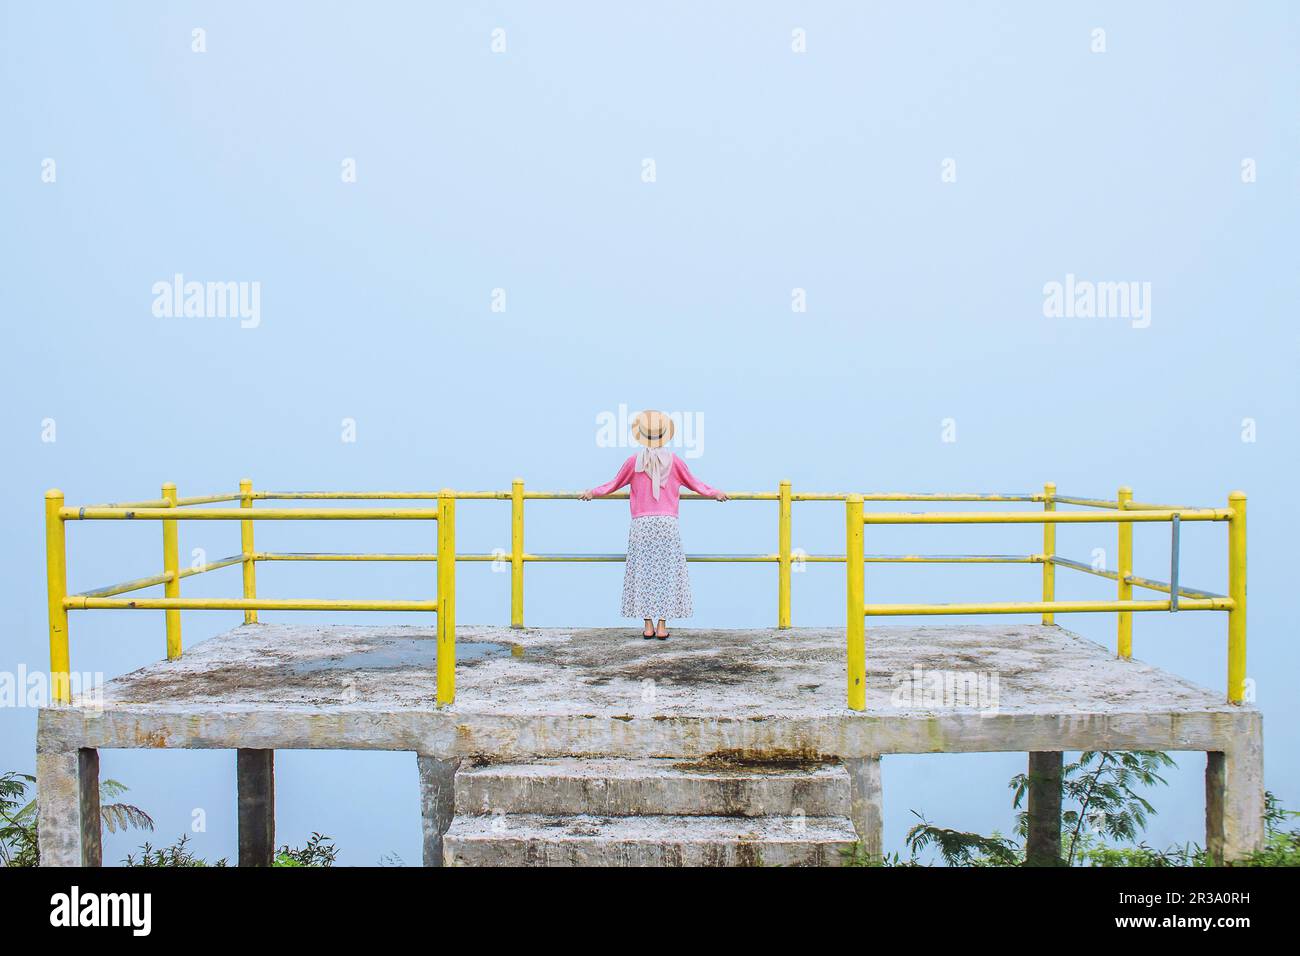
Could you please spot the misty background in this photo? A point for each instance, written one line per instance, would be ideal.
(522, 171)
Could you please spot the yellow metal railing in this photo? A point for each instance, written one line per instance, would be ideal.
(171, 509)
(1126, 514)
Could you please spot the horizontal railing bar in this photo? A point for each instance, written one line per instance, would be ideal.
(244, 604)
(472, 495)
(928, 558)
(1115, 505)
(430, 556)
(205, 499)
(623, 495)
(212, 565)
(1045, 607)
(917, 496)
(1086, 502)
(618, 496)
(1043, 517)
(431, 495)
(340, 556)
(350, 495)
(575, 557)
(247, 514)
(874, 610)
(1085, 568)
(738, 558)
(149, 503)
(138, 584)
(155, 579)
(594, 557)
(1151, 584)
(953, 558)
(1148, 506)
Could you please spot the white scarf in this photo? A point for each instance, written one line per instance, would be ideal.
(656, 463)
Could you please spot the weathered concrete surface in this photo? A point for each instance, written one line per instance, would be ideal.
(598, 786)
(704, 695)
(255, 791)
(536, 840)
(437, 803)
(621, 812)
(1043, 805)
(587, 692)
(68, 826)
(1234, 800)
(867, 807)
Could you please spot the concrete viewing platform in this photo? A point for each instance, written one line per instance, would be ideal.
(707, 697)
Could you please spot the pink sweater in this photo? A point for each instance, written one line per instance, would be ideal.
(642, 493)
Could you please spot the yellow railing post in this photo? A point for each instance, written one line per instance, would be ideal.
(56, 586)
(517, 553)
(1049, 551)
(246, 547)
(1124, 642)
(446, 690)
(1237, 591)
(171, 566)
(857, 622)
(783, 557)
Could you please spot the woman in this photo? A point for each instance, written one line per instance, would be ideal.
(655, 582)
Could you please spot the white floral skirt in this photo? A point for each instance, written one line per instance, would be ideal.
(655, 582)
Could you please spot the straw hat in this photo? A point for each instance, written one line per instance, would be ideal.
(652, 429)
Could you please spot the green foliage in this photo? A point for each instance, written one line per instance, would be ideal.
(178, 854)
(18, 815)
(17, 821)
(959, 848)
(18, 832)
(1100, 801)
(1281, 845)
(1092, 851)
(1101, 785)
(120, 816)
(857, 855)
(319, 851)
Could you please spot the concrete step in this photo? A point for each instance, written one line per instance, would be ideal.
(617, 787)
(586, 840)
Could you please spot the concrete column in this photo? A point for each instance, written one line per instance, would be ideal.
(255, 773)
(867, 809)
(1234, 801)
(67, 798)
(1043, 847)
(437, 802)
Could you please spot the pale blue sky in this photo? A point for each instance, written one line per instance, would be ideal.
(522, 171)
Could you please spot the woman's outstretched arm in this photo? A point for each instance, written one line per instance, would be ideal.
(690, 481)
(618, 481)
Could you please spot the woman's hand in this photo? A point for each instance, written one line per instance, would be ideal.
(720, 496)
(585, 496)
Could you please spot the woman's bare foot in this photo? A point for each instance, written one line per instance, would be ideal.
(649, 630)
(661, 631)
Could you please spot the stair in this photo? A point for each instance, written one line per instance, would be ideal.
(649, 812)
